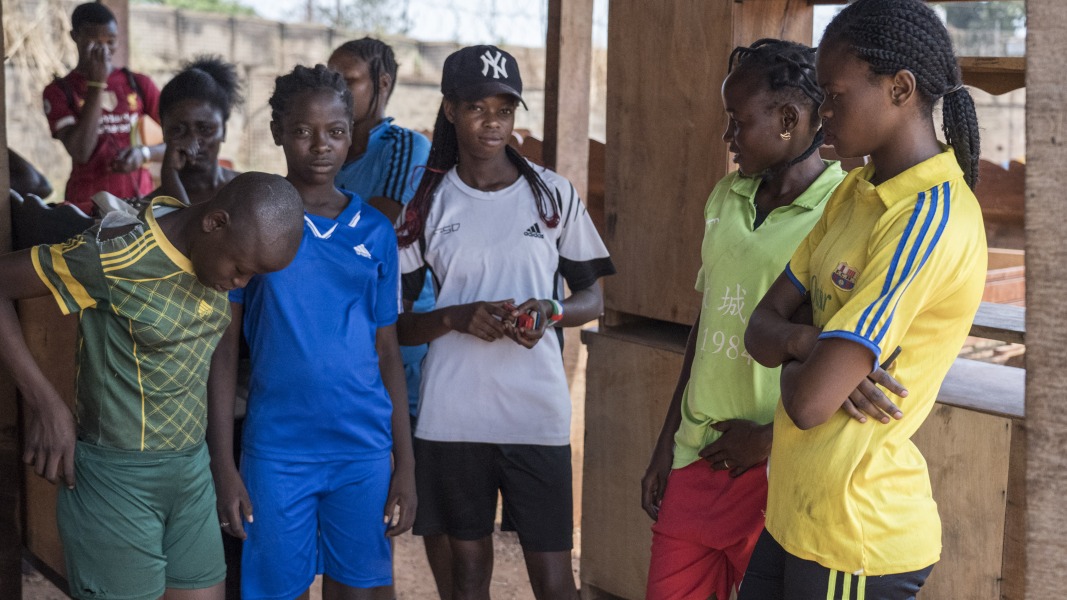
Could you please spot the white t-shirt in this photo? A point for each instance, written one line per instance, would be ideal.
(488, 246)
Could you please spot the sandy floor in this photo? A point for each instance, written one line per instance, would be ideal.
(413, 578)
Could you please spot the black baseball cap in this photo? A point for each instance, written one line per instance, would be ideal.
(476, 72)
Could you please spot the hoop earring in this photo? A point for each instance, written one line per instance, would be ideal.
(786, 135)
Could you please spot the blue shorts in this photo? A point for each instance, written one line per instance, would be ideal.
(312, 518)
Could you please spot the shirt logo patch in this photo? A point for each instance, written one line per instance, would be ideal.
(203, 309)
(844, 276)
(362, 251)
(448, 229)
(108, 100)
(534, 231)
(131, 100)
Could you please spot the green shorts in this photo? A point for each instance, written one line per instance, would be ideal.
(137, 523)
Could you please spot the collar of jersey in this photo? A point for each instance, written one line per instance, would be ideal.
(168, 248)
(907, 185)
(350, 216)
(454, 178)
(809, 199)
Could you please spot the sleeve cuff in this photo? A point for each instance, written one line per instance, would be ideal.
(852, 337)
(796, 282)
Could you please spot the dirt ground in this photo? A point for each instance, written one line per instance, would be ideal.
(413, 578)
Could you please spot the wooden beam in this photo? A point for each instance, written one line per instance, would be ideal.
(10, 467)
(1046, 317)
(568, 59)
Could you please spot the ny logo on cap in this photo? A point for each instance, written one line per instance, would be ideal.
(497, 62)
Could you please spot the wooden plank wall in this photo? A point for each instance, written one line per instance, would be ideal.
(969, 453)
(664, 138)
(1046, 317)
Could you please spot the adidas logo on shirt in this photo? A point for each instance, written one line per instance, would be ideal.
(534, 231)
(362, 251)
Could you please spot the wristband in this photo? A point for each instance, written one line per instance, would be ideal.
(96, 84)
(146, 153)
(557, 312)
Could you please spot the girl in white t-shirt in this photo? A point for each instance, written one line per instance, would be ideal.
(500, 236)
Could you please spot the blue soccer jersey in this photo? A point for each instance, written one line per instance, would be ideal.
(391, 168)
(316, 390)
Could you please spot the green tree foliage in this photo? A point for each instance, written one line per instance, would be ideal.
(377, 17)
(1002, 16)
(227, 7)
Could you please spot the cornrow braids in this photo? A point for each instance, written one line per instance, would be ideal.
(787, 68)
(379, 58)
(444, 154)
(896, 35)
(304, 79)
(206, 78)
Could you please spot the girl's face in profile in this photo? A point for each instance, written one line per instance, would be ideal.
(857, 109)
(753, 124)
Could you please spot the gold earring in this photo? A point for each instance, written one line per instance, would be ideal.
(786, 135)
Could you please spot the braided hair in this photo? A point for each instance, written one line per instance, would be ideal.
(444, 154)
(896, 35)
(305, 79)
(788, 69)
(379, 58)
(207, 79)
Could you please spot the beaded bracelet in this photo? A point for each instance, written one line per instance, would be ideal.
(557, 311)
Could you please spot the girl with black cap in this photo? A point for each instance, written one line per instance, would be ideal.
(492, 229)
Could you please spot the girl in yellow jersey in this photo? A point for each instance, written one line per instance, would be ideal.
(897, 260)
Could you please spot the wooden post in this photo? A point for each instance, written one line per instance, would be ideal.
(11, 490)
(1046, 287)
(568, 56)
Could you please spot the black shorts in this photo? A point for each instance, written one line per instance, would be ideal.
(458, 482)
(774, 574)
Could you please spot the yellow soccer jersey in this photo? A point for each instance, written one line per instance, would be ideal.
(898, 264)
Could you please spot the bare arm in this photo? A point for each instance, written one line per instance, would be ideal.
(232, 499)
(779, 333)
(480, 319)
(50, 435)
(654, 483)
(815, 388)
(402, 485)
(772, 336)
(80, 138)
(388, 207)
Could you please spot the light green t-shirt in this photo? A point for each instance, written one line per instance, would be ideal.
(146, 331)
(738, 265)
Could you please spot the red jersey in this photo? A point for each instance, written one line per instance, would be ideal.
(122, 106)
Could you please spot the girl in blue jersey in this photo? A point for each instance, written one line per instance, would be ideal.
(493, 231)
(897, 261)
(326, 448)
